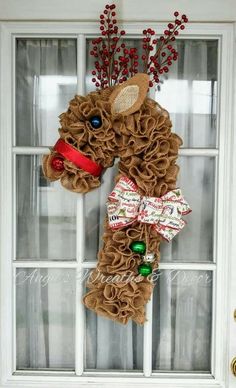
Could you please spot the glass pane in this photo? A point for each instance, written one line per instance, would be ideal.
(194, 78)
(182, 312)
(46, 79)
(195, 242)
(45, 321)
(95, 212)
(46, 214)
(189, 92)
(110, 345)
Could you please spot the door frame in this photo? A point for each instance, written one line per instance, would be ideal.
(231, 381)
(224, 248)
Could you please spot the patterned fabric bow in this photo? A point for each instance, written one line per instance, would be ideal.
(125, 205)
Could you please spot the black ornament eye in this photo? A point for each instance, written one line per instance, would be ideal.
(96, 122)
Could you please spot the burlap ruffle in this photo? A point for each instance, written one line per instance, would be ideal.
(148, 151)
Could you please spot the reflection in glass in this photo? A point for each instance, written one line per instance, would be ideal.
(45, 321)
(110, 345)
(189, 92)
(46, 214)
(46, 79)
(195, 242)
(182, 321)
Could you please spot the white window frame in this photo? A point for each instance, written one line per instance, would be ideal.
(222, 249)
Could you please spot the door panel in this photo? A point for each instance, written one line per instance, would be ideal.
(49, 232)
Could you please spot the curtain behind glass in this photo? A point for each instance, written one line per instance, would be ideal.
(45, 81)
(182, 308)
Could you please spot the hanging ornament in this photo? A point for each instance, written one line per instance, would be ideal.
(144, 269)
(138, 247)
(149, 257)
(96, 122)
(57, 163)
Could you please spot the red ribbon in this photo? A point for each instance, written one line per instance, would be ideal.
(75, 156)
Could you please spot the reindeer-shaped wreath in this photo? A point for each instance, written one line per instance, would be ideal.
(119, 120)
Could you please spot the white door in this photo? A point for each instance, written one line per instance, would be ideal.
(50, 236)
(231, 353)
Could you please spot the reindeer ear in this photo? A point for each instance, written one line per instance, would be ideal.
(130, 95)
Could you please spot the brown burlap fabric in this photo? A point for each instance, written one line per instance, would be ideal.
(148, 151)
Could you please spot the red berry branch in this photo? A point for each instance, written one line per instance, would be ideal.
(115, 63)
(165, 53)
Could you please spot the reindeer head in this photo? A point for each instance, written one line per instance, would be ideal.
(119, 119)
(94, 125)
(116, 122)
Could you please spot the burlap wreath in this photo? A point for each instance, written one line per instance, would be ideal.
(141, 137)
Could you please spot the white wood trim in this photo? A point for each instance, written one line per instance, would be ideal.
(80, 311)
(14, 320)
(166, 380)
(30, 150)
(147, 340)
(6, 204)
(92, 264)
(215, 213)
(231, 381)
(224, 199)
(44, 264)
(89, 28)
(201, 266)
(182, 152)
(198, 152)
(156, 11)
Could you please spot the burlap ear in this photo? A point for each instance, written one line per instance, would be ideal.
(128, 97)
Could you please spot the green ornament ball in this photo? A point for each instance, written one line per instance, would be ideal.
(138, 247)
(144, 269)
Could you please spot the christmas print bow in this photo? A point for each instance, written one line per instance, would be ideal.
(125, 205)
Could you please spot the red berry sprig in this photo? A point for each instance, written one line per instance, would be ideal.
(114, 63)
(159, 63)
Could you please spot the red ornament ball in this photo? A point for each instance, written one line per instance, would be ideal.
(57, 163)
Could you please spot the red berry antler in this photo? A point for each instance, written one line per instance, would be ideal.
(114, 62)
(160, 62)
